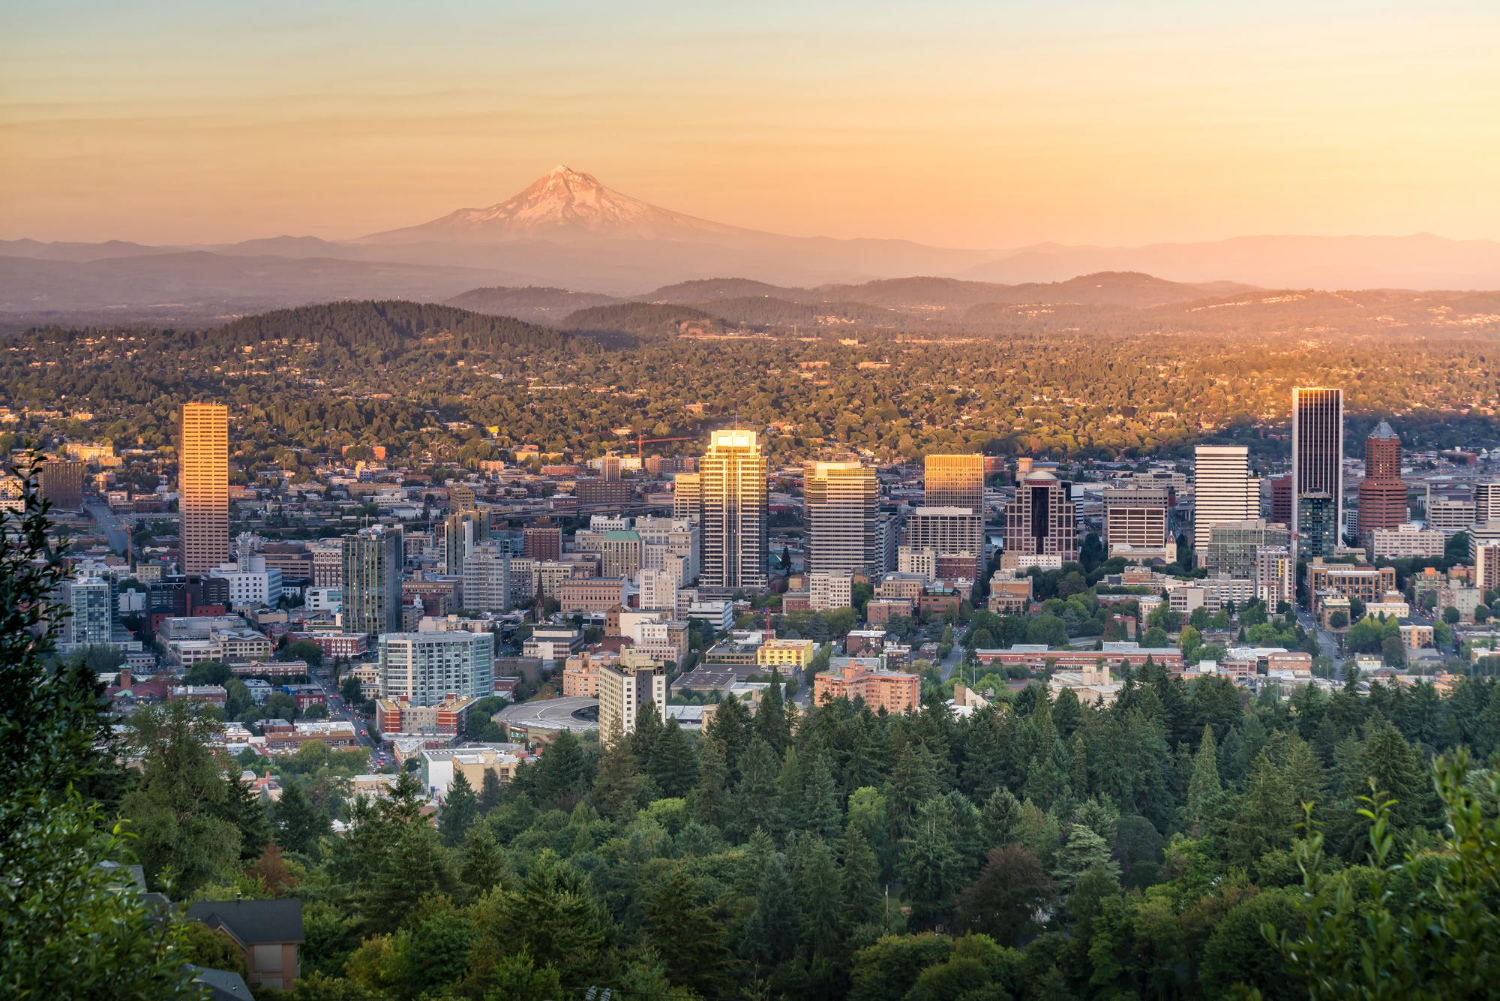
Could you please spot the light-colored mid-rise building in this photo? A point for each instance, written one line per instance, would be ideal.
(1223, 491)
(687, 496)
(428, 668)
(947, 531)
(1276, 576)
(735, 518)
(203, 486)
(90, 606)
(1406, 541)
(1135, 524)
(486, 574)
(830, 589)
(629, 687)
(1232, 545)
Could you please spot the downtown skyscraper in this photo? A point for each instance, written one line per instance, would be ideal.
(203, 486)
(1382, 493)
(1223, 491)
(957, 481)
(1317, 469)
(735, 520)
(373, 562)
(843, 511)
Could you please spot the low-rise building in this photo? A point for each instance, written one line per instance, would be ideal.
(866, 678)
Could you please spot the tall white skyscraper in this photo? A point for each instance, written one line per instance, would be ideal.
(1224, 491)
(1317, 469)
(735, 520)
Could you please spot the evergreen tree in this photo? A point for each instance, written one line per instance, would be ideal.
(242, 808)
(673, 764)
(460, 808)
(755, 803)
(774, 923)
(690, 940)
(299, 824)
(1084, 850)
(180, 801)
(932, 864)
(913, 781)
(1001, 819)
(562, 774)
(481, 863)
(616, 786)
(490, 792)
(819, 887)
(71, 925)
(859, 885)
(731, 727)
(823, 813)
(771, 724)
(708, 796)
(1204, 789)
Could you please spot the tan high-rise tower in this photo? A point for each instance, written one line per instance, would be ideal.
(958, 481)
(843, 511)
(203, 486)
(732, 478)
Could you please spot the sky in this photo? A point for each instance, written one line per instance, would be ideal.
(970, 124)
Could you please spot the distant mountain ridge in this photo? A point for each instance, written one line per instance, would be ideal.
(568, 230)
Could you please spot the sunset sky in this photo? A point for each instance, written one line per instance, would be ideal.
(982, 124)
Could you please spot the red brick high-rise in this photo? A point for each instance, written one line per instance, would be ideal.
(1382, 495)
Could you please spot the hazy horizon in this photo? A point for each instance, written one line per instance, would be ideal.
(955, 125)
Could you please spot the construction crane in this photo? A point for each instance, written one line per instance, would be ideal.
(640, 443)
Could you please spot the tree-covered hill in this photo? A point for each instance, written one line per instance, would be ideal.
(392, 325)
(643, 319)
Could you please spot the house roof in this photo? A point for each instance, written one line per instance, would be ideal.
(253, 922)
(223, 985)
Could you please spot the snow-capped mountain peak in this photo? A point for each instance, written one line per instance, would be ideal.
(561, 204)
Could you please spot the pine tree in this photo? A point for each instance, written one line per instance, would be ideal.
(913, 781)
(756, 798)
(1084, 850)
(243, 808)
(490, 792)
(692, 943)
(481, 863)
(771, 724)
(460, 808)
(774, 923)
(823, 813)
(819, 888)
(617, 785)
(1204, 789)
(859, 887)
(731, 727)
(299, 824)
(1001, 819)
(562, 773)
(708, 796)
(931, 863)
(673, 765)
(178, 806)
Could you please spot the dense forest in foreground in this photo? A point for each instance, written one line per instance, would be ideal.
(1180, 843)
